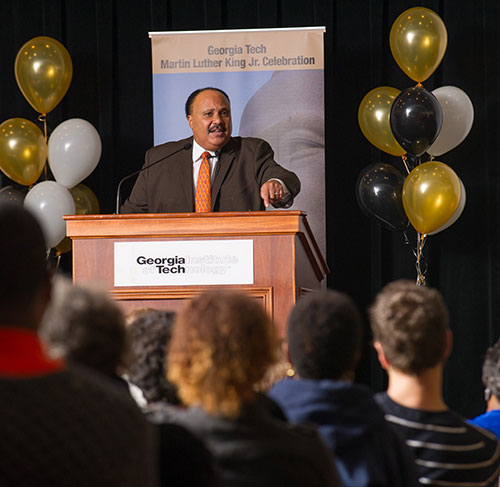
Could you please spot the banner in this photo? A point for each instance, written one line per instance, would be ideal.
(274, 79)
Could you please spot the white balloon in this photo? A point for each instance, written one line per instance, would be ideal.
(74, 151)
(49, 201)
(458, 211)
(458, 115)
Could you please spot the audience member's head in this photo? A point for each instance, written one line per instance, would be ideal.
(410, 323)
(24, 277)
(86, 326)
(131, 316)
(150, 334)
(491, 370)
(221, 346)
(324, 336)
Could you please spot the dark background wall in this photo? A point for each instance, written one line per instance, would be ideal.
(109, 45)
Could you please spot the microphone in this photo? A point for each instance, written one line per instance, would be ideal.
(186, 146)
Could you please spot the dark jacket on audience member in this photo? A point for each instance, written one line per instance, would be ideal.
(183, 458)
(259, 449)
(72, 428)
(367, 450)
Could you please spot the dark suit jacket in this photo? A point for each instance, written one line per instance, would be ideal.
(244, 165)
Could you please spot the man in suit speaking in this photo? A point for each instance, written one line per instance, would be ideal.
(220, 173)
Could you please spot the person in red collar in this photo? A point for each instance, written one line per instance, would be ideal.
(24, 295)
(60, 424)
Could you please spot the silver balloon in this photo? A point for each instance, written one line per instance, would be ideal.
(49, 202)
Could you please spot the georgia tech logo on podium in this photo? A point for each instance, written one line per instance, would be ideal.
(164, 265)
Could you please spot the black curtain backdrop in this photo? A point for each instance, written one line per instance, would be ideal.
(112, 88)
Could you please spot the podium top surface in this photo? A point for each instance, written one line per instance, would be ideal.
(184, 224)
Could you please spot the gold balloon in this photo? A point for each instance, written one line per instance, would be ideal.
(86, 202)
(431, 194)
(43, 71)
(373, 117)
(418, 42)
(23, 150)
(63, 246)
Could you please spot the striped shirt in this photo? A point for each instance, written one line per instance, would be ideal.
(448, 451)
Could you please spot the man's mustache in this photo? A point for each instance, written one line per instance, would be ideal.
(219, 126)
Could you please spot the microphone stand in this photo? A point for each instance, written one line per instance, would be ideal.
(186, 146)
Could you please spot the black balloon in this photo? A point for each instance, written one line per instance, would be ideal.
(13, 194)
(379, 193)
(416, 119)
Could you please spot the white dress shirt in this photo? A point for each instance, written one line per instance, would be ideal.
(197, 152)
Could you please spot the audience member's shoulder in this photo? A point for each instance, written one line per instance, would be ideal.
(271, 406)
(474, 429)
(489, 421)
(383, 400)
(184, 458)
(447, 418)
(393, 408)
(160, 412)
(275, 415)
(96, 389)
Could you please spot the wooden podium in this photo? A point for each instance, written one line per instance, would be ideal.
(287, 262)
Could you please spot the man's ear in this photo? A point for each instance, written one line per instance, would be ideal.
(381, 355)
(190, 120)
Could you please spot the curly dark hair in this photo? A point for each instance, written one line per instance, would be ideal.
(410, 322)
(324, 335)
(222, 344)
(150, 334)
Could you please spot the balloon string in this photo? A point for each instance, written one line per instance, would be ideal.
(419, 85)
(43, 118)
(420, 260)
(407, 242)
(53, 258)
(404, 158)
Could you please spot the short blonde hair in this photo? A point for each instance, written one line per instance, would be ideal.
(410, 322)
(222, 345)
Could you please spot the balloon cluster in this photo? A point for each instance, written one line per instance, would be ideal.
(411, 123)
(43, 71)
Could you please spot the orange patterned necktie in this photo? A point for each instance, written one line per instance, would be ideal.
(202, 197)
